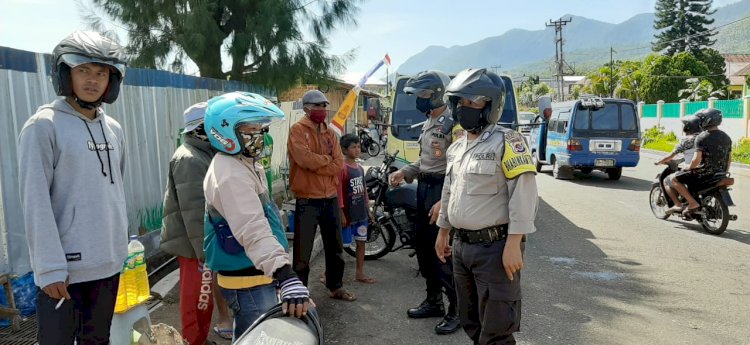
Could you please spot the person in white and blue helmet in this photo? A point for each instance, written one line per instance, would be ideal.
(245, 243)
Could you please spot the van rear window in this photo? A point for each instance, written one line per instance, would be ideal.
(613, 117)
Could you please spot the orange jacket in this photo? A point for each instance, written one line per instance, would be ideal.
(315, 160)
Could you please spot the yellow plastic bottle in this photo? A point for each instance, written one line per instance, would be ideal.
(121, 304)
(141, 276)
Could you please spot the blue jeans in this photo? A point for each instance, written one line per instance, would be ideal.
(248, 305)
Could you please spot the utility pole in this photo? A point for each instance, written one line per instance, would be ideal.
(559, 58)
(496, 68)
(611, 72)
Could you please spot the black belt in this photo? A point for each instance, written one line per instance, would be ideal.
(486, 235)
(426, 177)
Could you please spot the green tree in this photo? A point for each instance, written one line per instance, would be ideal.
(630, 79)
(663, 76)
(682, 26)
(263, 38)
(716, 68)
(603, 80)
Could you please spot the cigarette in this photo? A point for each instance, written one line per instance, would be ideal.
(60, 303)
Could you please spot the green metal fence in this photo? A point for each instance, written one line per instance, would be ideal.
(649, 110)
(731, 109)
(671, 110)
(692, 107)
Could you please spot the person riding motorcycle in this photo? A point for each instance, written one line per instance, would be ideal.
(691, 128)
(713, 154)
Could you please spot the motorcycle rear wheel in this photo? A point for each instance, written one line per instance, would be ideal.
(381, 242)
(716, 219)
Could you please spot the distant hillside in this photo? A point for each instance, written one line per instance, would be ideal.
(587, 44)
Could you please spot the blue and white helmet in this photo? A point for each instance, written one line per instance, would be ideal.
(225, 113)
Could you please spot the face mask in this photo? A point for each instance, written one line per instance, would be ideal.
(470, 119)
(424, 105)
(253, 144)
(318, 115)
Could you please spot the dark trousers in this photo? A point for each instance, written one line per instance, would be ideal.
(308, 214)
(489, 304)
(437, 275)
(86, 318)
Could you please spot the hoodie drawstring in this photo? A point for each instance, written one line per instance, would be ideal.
(96, 149)
(109, 160)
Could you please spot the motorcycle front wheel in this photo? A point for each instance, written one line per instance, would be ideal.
(658, 202)
(373, 148)
(716, 219)
(380, 242)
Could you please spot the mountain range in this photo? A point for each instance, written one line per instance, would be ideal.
(587, 45)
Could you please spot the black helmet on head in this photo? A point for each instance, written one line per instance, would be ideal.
(83, 47)
(476, 85)
(709, 117)
(428, 84)
(691, 124)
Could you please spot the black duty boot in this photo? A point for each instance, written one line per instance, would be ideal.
(432, 306)
(449, 324)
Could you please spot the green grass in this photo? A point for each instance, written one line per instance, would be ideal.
(741, 152)
(660, 145)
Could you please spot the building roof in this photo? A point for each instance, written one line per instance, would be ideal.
(743, 72)
(737, 57)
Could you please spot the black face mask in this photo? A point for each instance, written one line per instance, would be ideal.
(424, 105)
(472, 120)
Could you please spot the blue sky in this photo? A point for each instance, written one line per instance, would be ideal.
(401, 28)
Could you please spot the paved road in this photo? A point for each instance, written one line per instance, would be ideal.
(600, 270)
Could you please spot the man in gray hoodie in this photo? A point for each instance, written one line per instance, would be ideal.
(71, 165)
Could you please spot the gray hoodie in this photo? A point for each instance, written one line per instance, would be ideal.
(75, 217)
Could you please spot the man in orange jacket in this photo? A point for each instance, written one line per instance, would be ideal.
(315, 160)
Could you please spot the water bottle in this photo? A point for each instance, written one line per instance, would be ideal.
(141, 288)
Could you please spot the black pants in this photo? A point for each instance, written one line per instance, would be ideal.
(489, 304)
(308, 214)
(437, 275)
(86, 318)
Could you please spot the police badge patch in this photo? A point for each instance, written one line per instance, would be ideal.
(516, 142)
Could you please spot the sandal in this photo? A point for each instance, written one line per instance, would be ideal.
(343, 295)
(365, 280)
(689, 211)
(224, 333)
(674, 209)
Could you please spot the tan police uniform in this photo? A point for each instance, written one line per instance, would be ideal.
(490, 191)
(436, 137)
(434, 141)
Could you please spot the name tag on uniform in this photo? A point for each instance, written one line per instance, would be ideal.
(437, 134)
(484, 156)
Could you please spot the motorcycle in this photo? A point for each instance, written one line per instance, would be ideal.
(712, 195)
(395, 210)
(368, 143)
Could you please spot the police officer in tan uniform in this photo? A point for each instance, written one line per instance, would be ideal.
(429, 169)
(489, 201)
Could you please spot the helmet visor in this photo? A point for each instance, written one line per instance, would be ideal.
(472, 98)
(421, 93)
(74, 60)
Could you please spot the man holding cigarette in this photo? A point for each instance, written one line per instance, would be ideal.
(71, 165)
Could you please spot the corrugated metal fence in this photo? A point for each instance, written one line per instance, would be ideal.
(150, 110)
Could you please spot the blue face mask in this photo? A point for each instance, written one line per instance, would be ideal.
(424, 105)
